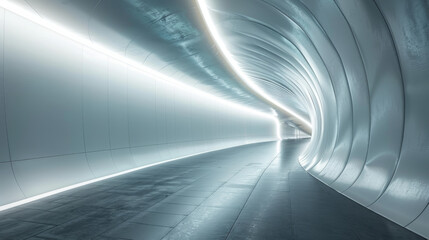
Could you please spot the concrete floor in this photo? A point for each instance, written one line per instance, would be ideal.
(246, 192)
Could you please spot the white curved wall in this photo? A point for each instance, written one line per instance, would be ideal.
(364, 65)
(382, 48)
(379, 48)
(70, 114)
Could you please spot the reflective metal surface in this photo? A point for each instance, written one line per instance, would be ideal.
(358, 70)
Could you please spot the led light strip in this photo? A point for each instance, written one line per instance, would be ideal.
(16, 9)
(60, 190)
(235, 66)
(57, 28)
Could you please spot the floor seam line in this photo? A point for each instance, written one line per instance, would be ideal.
(253, 189)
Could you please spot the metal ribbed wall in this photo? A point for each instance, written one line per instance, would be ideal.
(363, 69)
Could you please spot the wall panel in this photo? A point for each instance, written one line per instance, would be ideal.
(141, 108)
(75, 114)
(123, 159)
(4, 146)
(48, 120)
(118, 108)
(8, 186)
(36, 176)
(101, 163)
(95, 100)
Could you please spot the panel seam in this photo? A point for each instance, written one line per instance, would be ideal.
(4, 105)
(403, 110)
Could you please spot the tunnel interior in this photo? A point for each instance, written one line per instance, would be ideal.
(94, 89)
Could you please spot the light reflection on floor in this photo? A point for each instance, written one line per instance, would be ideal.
(247, 192)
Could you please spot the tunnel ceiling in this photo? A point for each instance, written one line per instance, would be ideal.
(171, 37)
(263, 50)
(167, 36)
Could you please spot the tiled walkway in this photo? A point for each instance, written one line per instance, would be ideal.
(247, 192)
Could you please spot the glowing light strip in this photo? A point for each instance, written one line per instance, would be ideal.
(235, 66)
(16, 9)
(57, 28)
(60, 190)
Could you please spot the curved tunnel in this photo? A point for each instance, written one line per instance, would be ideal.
(352, 74)
(358, 70)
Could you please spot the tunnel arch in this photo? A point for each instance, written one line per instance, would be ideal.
(365, 61)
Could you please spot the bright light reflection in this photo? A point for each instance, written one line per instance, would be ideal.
(235, 66)
(16, 9)
(32, 16)
(60, 190)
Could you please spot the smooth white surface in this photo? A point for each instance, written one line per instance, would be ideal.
(361, 69)
(76, 115)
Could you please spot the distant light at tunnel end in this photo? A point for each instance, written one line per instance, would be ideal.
(235, 66)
